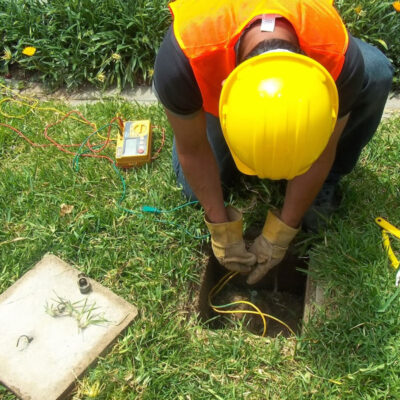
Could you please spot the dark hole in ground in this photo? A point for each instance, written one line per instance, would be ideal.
(281, 294)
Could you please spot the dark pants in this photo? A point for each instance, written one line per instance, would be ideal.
(361, 126)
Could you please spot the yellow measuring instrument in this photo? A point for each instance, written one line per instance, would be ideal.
(134, 144)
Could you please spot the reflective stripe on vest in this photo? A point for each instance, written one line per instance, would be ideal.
(207, 34)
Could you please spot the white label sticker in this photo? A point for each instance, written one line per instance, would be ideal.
(267, 24)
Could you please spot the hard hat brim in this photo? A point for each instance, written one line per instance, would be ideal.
(243, 168)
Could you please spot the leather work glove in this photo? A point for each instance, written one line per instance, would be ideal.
(270, 247)
(228, 244)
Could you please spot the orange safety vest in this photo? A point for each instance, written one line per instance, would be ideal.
(208, 31)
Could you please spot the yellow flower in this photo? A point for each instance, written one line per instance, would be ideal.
(7, 54)
(116, 56)
(358, 10)
(94, 390)
(396, 5)
(29, 51)
(101, 77)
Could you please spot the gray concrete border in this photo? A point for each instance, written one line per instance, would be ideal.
(392, 106)
(140, 94)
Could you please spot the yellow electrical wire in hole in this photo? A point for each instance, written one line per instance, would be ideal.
(221, 284)
(217, 308)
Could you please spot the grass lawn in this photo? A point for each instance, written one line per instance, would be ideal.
(348, 350)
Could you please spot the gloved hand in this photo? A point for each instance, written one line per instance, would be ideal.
(270, 247)
(228, 244)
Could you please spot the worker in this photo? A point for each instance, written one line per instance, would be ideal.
(274, 88)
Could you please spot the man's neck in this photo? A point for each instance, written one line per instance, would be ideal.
(254, 35)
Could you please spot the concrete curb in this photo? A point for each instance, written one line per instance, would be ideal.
(392, 106)
(140, 94)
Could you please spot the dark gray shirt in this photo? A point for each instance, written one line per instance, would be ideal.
(177, 89)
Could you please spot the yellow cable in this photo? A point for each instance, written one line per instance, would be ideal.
(32, 107)
(22, 116)
(386, 244)
(258, 312)
(221, 284)
(32, 104)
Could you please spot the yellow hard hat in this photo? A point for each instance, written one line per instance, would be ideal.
(277, 112)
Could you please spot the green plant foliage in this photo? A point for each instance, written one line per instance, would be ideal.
(103, 42)
(109, 42)
(377, 22)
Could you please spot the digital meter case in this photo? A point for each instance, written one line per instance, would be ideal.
(134, 144)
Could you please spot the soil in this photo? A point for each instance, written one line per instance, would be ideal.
(21, 75)
(280, 294)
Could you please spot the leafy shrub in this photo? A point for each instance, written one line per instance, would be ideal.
(77, 41)
(108, 42)
(376, 22)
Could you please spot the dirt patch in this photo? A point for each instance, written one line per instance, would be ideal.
(280, 294)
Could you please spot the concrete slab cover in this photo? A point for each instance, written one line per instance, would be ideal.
(41, 355)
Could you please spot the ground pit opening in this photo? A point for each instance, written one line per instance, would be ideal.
(280, 294)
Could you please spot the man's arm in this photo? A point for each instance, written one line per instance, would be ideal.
(201, 172)
(199, 164)
(279, 230)
(302, 190)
